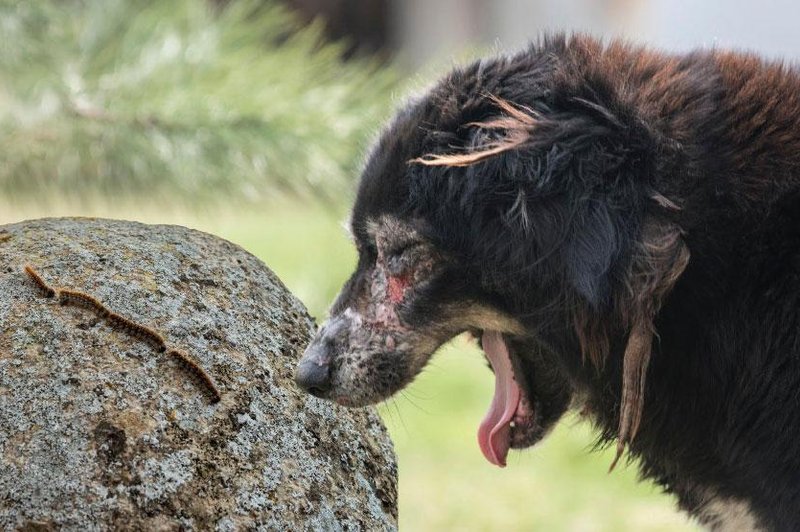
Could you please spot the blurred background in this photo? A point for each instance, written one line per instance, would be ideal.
(250, 119)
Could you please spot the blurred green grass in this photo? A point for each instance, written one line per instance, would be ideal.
(445, 483)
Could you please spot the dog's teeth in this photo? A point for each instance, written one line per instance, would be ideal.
(513, 424)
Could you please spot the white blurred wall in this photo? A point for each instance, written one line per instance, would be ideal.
(427, 30)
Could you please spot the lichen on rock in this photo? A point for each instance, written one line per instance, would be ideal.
(99, 430)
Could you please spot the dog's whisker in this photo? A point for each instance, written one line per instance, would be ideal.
(414, 404)
(411, 391)
(399, 415)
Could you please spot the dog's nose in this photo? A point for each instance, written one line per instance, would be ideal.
(313, 373)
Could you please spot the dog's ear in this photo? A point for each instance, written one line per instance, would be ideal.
(590, 252)
(658, 260)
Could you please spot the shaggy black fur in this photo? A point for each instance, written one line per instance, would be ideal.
(579, 228)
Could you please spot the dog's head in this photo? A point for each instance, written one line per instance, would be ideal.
(512, 201)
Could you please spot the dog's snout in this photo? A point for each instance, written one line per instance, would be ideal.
(313, 373)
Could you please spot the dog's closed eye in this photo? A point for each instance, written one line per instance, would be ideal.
(399, 260)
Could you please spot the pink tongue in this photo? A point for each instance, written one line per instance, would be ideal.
(495, 431)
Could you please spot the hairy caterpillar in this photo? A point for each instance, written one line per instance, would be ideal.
(43, 287)
(80, 299)
(198, 372)
(121, 323)
(137, 330)
(116, 321)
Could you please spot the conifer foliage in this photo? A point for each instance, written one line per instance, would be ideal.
(178, 99)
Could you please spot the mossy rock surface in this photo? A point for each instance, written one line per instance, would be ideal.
(99, 430)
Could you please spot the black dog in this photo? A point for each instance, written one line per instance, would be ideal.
(622, 228)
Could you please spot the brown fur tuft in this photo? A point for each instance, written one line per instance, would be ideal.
(661, 259)
(517, 123)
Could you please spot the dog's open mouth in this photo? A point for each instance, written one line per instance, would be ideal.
(510, 421)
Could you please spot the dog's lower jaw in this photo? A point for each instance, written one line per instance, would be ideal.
(525, 429)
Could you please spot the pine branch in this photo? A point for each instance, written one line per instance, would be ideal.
(173, 100)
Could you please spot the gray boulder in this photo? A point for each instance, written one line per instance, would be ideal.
(98, 429)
